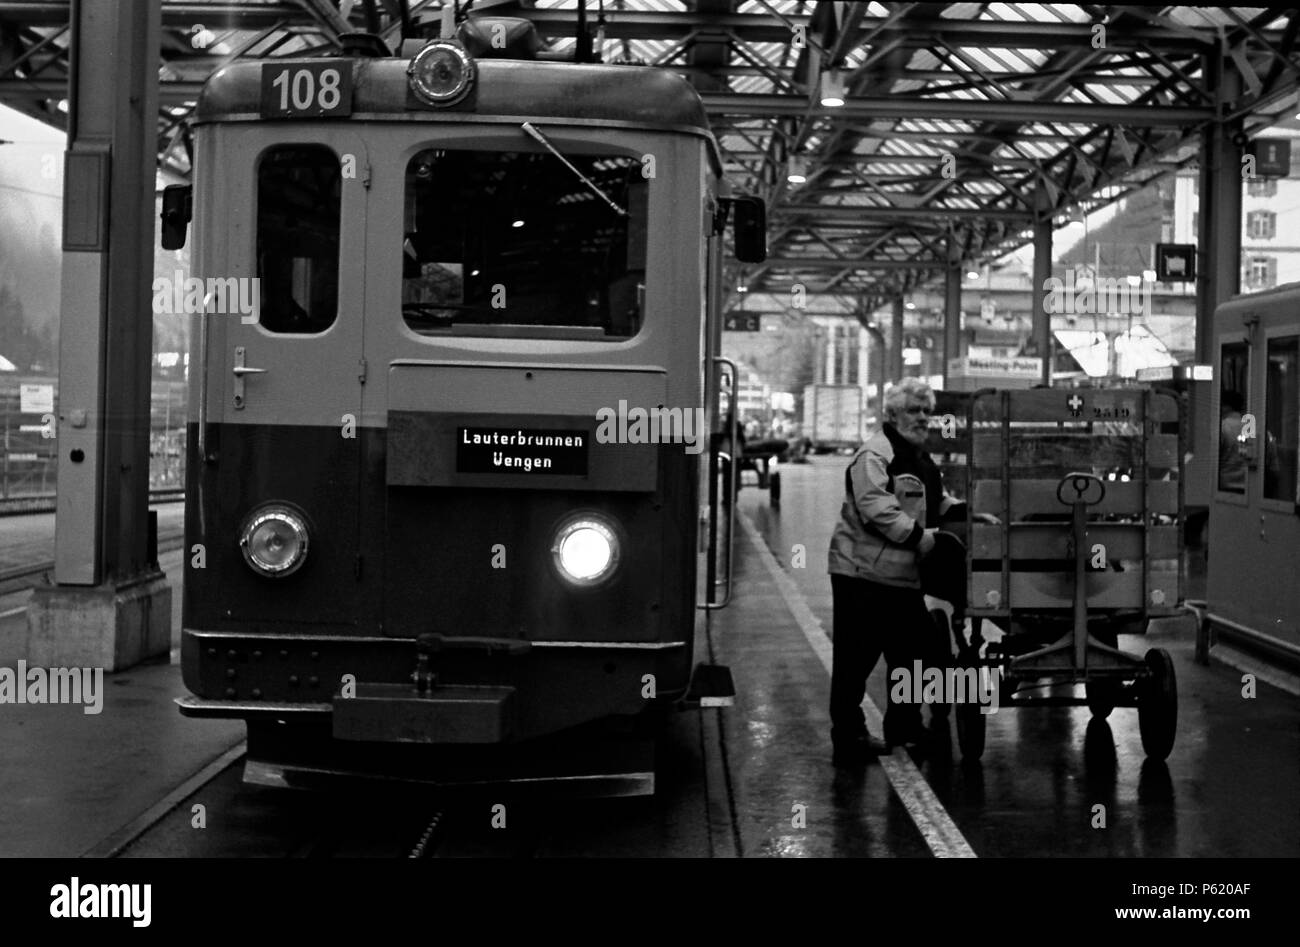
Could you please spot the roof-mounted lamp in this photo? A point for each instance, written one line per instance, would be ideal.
(832, 89)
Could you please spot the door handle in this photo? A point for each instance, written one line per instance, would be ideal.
(240, 371)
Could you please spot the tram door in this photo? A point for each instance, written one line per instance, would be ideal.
(1254, 527)
(286, 380)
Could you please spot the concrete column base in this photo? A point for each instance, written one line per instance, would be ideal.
(113, 626)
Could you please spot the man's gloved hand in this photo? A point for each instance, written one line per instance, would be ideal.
(927, 542)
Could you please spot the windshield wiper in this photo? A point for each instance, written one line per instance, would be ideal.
(595, 188)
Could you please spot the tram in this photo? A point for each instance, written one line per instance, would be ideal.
(1252, 596)
(452, 489)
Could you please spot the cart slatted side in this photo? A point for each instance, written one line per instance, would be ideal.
(1021, 443)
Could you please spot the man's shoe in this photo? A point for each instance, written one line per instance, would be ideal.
(860, 751)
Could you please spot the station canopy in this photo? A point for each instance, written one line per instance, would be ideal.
(960, 124)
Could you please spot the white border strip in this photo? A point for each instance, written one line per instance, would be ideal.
(936, 826)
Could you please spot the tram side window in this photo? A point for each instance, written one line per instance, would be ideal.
(1234, 365)
(299, 203)
(515, 243)
(1282, 419)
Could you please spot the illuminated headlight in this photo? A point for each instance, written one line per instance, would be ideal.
(274, 540)
(586, 551)
(441, 73)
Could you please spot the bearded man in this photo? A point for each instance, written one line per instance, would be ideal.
(893, 504)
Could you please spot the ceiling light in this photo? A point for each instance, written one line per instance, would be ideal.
(798, 171)
(832, 89)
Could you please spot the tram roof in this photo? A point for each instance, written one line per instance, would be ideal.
(631, 96)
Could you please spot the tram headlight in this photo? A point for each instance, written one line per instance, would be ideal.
(273, 540)
(586, 550)
(441, 73)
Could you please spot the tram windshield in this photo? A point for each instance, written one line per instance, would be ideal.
(508, 243)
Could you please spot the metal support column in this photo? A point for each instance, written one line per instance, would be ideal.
(951, 310)
(1042, 273)
(879, 381)
(1219, 226)
(110, 606)
(896, 341)
(828, 375)
(863, 354)
(844, 331)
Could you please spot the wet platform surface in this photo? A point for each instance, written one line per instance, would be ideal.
(69, 779)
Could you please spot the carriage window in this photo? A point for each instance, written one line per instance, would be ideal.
(516, 244)
(1282, 419)
(1234, 366)
(299, 198)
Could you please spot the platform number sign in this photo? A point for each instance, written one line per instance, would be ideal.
(307, 90)
(742, 322)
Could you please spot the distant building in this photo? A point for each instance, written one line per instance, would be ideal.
(1270, 222)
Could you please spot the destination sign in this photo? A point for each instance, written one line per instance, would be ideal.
(307, 90)
(519, 451)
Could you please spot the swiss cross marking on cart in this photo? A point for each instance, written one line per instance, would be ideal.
(1075, 403)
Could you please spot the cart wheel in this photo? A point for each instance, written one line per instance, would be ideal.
(970, 731)
(1101, 697)
(774, 487)
(1158, 705)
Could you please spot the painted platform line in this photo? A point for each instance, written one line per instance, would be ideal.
(937, 828)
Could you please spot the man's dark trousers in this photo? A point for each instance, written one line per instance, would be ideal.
(871, 619)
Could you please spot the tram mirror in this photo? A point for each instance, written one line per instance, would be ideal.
(751, 229)
(177, 209)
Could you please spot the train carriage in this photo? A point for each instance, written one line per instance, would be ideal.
(448, 489)
(1252, 597)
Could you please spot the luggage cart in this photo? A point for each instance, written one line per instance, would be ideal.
(1082, 493)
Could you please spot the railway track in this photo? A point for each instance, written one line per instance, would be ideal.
(45, 502)
(25, 577)
(213, 815)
